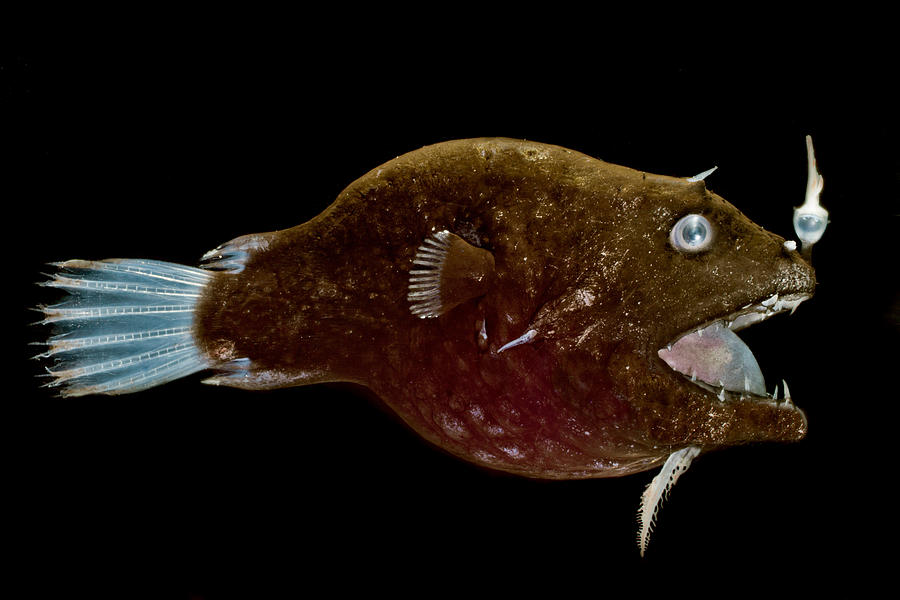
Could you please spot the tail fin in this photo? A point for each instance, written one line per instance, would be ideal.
(125, 326)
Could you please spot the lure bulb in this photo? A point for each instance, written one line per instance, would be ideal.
(811, 219)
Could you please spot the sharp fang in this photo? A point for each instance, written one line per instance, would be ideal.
(722, 395)
(770, 301)
(775, 394)
(787, 392)
(699, 333)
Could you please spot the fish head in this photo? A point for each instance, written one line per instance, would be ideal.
(677, 273)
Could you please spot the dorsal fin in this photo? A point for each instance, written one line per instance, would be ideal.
(232, 256)
(451, 272)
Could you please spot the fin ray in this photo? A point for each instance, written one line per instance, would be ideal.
(124, 325)
(232, 256)
(454, 272)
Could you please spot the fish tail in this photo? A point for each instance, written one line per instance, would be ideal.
(124, 325)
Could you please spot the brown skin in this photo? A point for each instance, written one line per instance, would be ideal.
(581, 254)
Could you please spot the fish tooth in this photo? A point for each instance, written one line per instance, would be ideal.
(787, 392)
(699, 333)
(722, 394)
(746, 383)
(693, 375)
(775, 393)
(771, 300)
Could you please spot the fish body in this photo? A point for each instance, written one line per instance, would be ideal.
(565, 341)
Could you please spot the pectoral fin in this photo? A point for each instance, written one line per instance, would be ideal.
(448, 271)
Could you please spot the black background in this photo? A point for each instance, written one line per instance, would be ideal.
(163, 143)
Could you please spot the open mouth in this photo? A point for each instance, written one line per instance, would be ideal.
(713, 357)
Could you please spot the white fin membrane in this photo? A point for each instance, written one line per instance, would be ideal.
(651, 499)
(425, 283)
(125, 325)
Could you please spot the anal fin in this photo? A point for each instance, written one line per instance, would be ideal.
(243, 373)
(449, 271)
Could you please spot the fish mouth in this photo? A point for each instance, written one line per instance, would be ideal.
(714, 358)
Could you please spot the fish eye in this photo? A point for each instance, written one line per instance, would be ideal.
(692, 233)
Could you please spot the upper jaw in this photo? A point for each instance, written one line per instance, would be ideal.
(715, 359)
(762, 310)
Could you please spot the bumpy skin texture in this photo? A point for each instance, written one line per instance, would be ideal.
(582, 256)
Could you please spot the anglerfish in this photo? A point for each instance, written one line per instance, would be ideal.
(523, 306)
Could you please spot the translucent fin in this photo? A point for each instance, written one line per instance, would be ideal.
(232, 256)
(651, 500)
(124, 326)
(448, 272)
